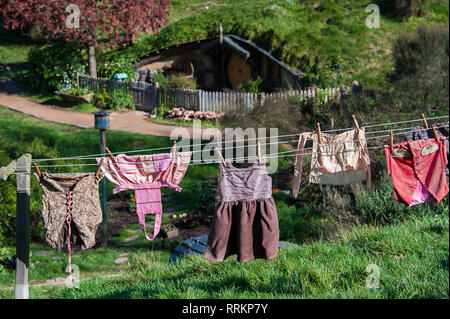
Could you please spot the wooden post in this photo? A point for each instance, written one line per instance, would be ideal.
(78, 82)
(22, 227)
(103, 187)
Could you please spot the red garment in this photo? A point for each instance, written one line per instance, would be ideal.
(417, 169)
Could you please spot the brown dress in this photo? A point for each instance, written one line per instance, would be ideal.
(246, 220)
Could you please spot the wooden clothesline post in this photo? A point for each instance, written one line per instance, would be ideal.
(22, 167)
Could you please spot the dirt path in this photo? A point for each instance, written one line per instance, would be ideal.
(131, 121)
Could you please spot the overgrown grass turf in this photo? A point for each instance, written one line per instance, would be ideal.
(413, 261)
(327, 40)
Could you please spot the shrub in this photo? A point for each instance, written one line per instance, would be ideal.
(108, 66)
(121, 100)
(161, 111)
(54, 67)
(252, 86)
(180, 81)
(102, 100)
(161, 79)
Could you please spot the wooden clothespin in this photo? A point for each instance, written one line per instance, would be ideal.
(392, 141)
(319, 132)
(174, 149)
(355, 121)
(110, 154)
(436, 134)
(434, 129)
(425, 121)
(37, 169)
(99, 167)
(221, 157)
(259, 154)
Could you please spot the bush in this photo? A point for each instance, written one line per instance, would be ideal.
(252, 86)
(102, 100)
(54, 67)
(421, 78)
(161, 111)
(121, 100)
(161, 79)
(108, 66)
(180, 81)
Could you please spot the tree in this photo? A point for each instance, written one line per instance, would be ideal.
(91, 22)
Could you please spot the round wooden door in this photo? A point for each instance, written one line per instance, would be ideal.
(238, 70)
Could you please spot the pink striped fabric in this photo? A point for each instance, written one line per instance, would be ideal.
(146, 174)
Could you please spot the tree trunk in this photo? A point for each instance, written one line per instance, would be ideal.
(92, 61)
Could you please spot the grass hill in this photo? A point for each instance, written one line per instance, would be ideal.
(327, 40)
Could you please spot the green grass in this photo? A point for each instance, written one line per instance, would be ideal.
(60, 102)
(322, 269)
(319, 268)
(327, 39)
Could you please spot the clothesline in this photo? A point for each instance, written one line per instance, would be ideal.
(235, 147)
(248, 158)
(92, 156)
(262, 144)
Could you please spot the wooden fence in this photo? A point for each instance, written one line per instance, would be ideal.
(148, 96)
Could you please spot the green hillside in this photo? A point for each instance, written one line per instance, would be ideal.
(327, 40)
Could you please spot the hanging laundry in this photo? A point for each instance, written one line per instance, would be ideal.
(246, 220)
(417, 169)
(70, 209)
(421, 133)
(340, 159)
(146, 175)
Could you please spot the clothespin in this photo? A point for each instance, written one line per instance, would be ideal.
(259, 153)
(436, 134)
(392, 141)
(174, 149)
(37, 169)
(110, 154)
(425, 121)
(221, 157)
(319, 132)
(99, 167)
(434, 129)
(355, 121)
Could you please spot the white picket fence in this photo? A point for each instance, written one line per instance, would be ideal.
(148, 96)
(244, 102)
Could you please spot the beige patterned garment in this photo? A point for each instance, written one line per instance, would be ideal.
(85, 208)
(340, 159)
